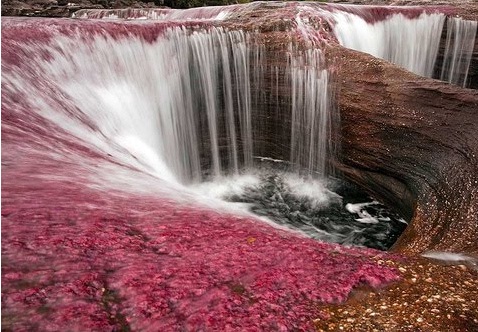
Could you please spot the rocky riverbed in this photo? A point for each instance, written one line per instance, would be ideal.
(94, 257)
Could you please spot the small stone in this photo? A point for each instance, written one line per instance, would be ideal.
(419, 319)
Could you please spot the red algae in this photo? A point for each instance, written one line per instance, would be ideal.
(79, 254)
(41, 30)
(161, 266)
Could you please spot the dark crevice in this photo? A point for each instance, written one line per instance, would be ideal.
(110, 301)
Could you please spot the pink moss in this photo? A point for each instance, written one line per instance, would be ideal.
(80, 256)
(168, 266)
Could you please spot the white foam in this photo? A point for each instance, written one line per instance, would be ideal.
(364, 216)
(312, 189)
(224, 186)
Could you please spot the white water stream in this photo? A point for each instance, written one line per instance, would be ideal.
(178, 108)
(161, 104)
(412, 43)
(460, 41)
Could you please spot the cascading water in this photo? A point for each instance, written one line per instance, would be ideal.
(311, 113)
(460, 41)
(181, 108)
(159, 103)
(411, 42)
(93, 110)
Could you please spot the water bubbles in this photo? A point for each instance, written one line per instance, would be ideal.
(310, 206)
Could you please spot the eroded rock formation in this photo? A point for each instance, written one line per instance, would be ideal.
(410, 141)
(414, 142)
(93, 256)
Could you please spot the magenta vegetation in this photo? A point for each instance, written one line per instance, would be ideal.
(81, 255)
(89, 260)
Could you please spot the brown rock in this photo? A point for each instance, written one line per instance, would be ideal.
(409, 140)
(413, 142)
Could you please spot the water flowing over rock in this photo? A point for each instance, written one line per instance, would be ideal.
(414, 143)
(460, 42)
(107, 121)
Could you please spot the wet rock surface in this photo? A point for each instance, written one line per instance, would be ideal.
(408, 140)
(415, 143)
(61, 8)
(433, 296)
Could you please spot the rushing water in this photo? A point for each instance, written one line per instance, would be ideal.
(460, 41)
(410, 43)
(158, 106)
(407, 36)
(311, 113)
(182, 109)
(121, 142)
(186, 105)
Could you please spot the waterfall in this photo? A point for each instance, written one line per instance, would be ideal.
(177, 107)
(410, 43)
(106, 129)
(311, 112)
(460, 41)
(178, 103)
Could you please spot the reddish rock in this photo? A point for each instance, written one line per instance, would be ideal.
(412, 141)
(80, 256)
